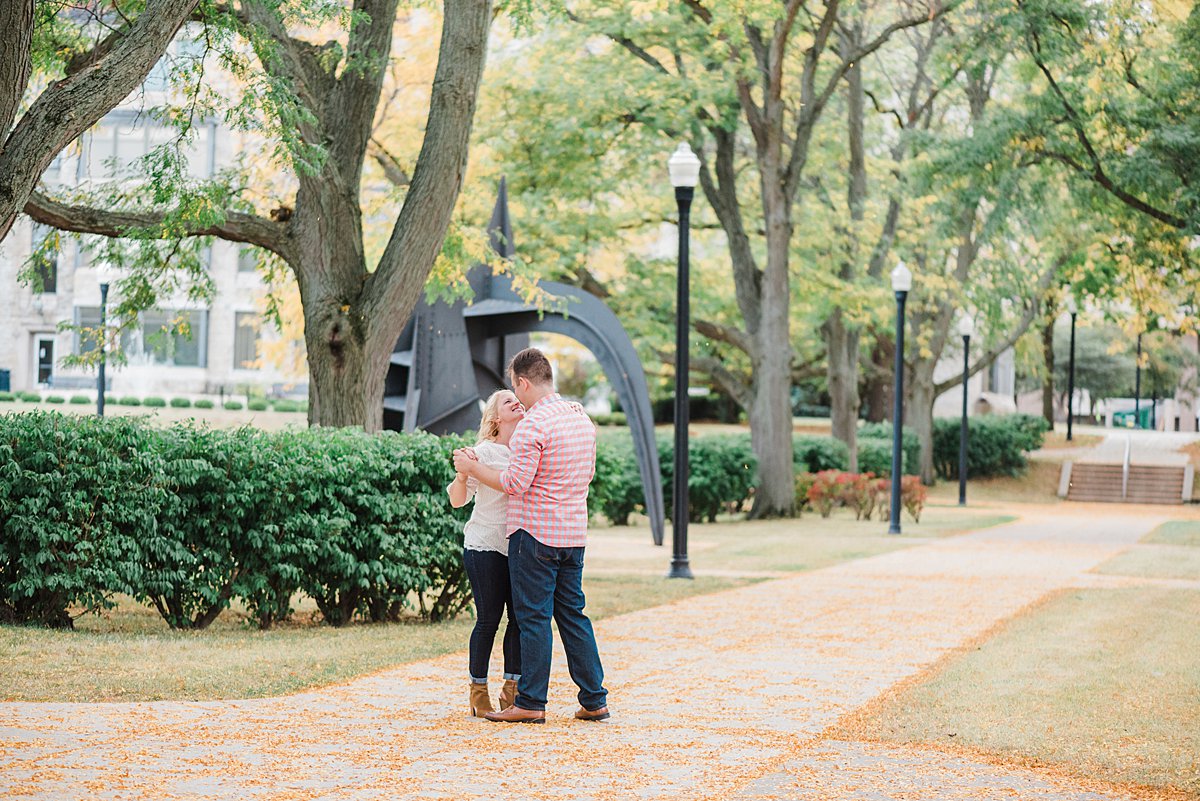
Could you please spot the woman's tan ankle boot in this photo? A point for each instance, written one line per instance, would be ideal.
(508, 694)
(480, 702)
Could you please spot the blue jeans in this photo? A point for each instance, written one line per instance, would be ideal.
(548, 583)
(488, 573)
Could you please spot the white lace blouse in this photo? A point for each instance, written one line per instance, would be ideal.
(485, 530)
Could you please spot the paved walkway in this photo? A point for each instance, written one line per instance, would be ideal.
(717, 697)
(1145, 447)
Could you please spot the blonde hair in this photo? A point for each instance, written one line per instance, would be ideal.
(489, 424)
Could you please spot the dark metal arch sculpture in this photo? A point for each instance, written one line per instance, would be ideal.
(452, 355)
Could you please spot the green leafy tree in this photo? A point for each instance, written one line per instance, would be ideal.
(62, 68)
(308, 79)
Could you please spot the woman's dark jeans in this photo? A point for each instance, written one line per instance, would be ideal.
(488, 572)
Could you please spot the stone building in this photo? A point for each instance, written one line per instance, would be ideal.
(223, 352)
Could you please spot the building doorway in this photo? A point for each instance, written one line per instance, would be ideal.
(45, 361)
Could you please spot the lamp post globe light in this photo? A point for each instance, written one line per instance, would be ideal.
(1073, 308)
(684, 169)
(901, 284)
(966, 327)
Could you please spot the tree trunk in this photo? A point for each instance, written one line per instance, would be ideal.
(1048, 381)
(878, 392)
(919, 416)
(842, 370)
(771, 422)
(771, 430)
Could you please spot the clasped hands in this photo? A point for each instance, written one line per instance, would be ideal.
(465, 460)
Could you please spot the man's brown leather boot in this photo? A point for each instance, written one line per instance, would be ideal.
(592, 714)
(514, 714)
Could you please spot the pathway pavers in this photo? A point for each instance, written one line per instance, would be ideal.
(714, 697)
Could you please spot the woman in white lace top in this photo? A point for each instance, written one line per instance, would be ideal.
(485, 554)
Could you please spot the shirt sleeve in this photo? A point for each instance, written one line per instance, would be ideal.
(526, 446)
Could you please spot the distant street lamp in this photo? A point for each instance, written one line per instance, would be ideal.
(103, 336)
(966, 327)
(901, 284)
(1137, 387)
(1074, 309)
(684, 168)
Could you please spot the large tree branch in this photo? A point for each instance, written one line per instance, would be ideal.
(1096, 172)
(393, 170)
(16, 42)
(727, 334)
(356, 97)
(730, 383)
(235, 227)
(390, 293)
(722, 196)
(815, 102)
(1031, 312)
(71, 106)
(624, 41)
(290, 60)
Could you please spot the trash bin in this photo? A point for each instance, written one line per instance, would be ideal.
(1126, 419)
(5, 380)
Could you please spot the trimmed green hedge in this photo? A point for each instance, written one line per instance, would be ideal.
(996, 444)
(181, 403)
(186, 519)
(154, 402)
(875, 450)
(257, 405)
(80, 400)
(203, 403)
(722, 472)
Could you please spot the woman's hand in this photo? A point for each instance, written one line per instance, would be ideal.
(464, 460)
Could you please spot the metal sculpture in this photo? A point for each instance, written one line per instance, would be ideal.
(451, 356)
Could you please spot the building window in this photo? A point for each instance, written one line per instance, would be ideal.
(163, 343)
(45, 259)
(155, 339)
(245, 341)
(247, 260)
(86, 317)
(122, 138)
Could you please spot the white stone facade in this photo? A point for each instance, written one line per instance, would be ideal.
(32, 347)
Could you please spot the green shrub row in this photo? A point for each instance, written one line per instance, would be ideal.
(996, 444)
(186, 519)
(722, 472)
(722, 467)
(154, 402)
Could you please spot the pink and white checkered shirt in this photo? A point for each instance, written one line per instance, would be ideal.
(553, 461)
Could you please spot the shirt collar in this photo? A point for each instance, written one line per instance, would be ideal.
(553, 396)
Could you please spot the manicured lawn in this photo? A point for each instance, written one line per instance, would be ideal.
(1039, 484)
(1176, 532)
(1171, 551)
(1097, 682)
(780, 546)
(129, 653)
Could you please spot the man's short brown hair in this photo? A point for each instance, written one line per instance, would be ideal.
(532, 365)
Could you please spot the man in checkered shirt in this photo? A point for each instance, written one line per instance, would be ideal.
(553, 461)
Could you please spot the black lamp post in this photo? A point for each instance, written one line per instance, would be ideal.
(1137, 387)
(103, 336)
(1071, 307)
(901, 283)
(684, 168)
(966, 327)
